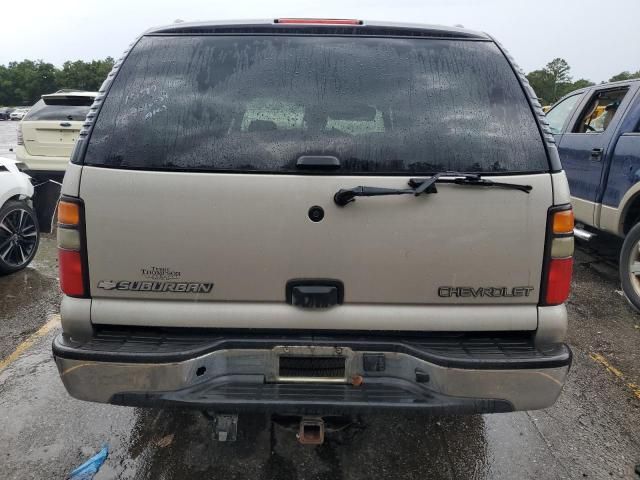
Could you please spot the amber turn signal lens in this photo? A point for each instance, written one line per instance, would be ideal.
(563, 222)
(68, 213)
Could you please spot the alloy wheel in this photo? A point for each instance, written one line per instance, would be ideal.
(18, 237)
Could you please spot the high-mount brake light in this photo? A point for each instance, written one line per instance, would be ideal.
(559, 256)
(318, 21)
(72, 264)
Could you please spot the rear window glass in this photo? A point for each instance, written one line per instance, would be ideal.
(258, 103)
(73, 109)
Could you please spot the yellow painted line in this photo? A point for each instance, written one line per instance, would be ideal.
(635, 389)
(53, 322)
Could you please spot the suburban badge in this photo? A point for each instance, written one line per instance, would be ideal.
(147, 286)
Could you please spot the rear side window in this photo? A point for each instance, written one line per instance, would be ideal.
(600, 111)
(72, 109)
(258, 103)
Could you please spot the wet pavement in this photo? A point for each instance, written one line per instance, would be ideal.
(8, 138)
(593, 431)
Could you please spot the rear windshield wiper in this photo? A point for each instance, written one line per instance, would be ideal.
(467, 179)
(423, 186)
(418, 187)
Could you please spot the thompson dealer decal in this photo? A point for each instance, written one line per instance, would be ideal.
(160, 273)
(146, 286)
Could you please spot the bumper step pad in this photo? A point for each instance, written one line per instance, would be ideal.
(237, 393)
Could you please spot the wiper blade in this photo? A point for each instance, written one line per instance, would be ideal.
(464, 179)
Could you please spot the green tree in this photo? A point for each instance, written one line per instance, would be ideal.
(626, 75)
(5, 86)
(554, 81)
(25, 81)
(558, 69)
(581, 83)
(542, 84)
(22, 83)
(84, 75)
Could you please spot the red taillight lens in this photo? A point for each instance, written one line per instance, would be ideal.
(559, 256)
(71, 277)
(558, 280)
(71, 262)
(319, 21)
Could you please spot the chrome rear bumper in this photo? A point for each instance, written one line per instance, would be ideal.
(242, 373)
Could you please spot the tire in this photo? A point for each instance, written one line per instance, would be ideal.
(19, 236)
(630, 267)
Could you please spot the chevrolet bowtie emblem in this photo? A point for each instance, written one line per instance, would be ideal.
(107, 284)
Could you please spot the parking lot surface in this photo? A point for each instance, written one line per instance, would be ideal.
(593, 431)
(8, 138)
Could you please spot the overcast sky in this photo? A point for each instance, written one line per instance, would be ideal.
(598, 39)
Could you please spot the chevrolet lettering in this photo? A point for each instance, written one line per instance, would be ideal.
(495, 292)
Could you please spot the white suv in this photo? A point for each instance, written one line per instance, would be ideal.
(19, 231)
(48, 132)
(18, 113)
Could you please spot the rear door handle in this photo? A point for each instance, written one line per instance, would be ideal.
(317, 162)
(596, 154)
(65, 124)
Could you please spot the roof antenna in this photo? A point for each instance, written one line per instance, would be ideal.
(459, 25)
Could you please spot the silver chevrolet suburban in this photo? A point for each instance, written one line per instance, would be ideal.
(315, 217)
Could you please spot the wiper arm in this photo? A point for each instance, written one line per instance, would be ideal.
(345, 196)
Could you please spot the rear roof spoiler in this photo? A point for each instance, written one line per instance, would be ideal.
(69, 94)
(308, 26)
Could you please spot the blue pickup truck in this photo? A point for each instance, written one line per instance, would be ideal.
(597, 131)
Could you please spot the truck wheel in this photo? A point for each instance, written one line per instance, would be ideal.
(19, 236)
(630, 267)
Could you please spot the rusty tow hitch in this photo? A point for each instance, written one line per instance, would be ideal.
(311, 431)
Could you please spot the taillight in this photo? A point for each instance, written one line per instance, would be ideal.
(20, 137)
(558, 267)
(71, 253)
(319, 21)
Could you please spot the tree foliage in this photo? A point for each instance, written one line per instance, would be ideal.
(554, 81)
(626, 75)
(22, 83)
(84, 75)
